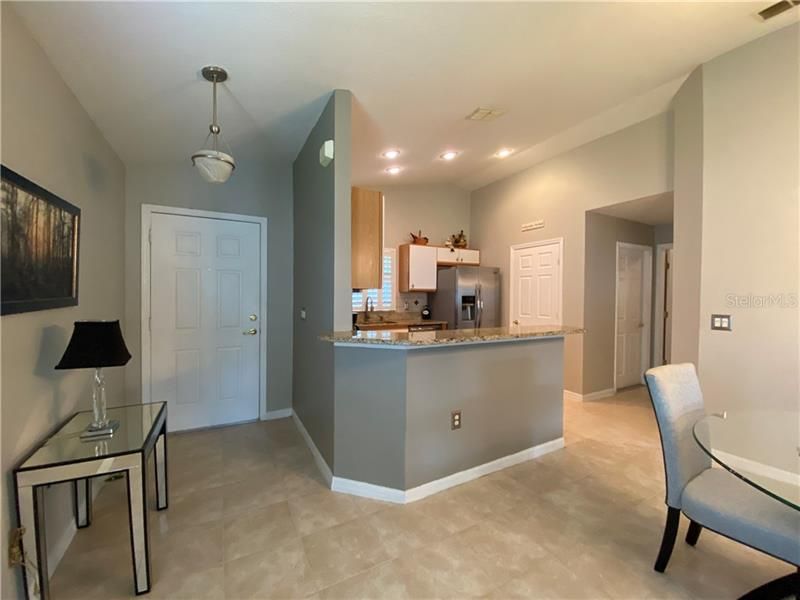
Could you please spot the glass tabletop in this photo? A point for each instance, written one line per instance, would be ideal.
(65, 446)
(760, 447)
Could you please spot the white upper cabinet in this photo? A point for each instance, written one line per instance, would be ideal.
(470, 257)
(417, 271)
(458, 256)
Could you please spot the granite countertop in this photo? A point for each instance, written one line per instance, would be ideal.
(445, 337)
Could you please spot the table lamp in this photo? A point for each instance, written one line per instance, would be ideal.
(94, 345)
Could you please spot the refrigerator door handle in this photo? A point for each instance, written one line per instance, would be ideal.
(478, 306)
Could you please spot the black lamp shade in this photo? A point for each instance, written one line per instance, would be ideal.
(95, 344)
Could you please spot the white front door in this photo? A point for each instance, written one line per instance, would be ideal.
(535, 286)
(633, 304)
(205, 319)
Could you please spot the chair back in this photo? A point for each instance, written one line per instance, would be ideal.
(678, 404)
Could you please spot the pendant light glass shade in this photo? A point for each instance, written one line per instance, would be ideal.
(214, 165)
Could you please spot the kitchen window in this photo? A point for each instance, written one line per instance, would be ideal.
(384, 297)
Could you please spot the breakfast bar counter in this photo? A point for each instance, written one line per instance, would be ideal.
(443, 407)
(422, 339)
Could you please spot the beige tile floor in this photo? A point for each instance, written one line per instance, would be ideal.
(250, 517)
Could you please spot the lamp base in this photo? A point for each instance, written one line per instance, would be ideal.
(91, 433)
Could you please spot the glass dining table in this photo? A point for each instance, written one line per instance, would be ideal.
(762, 448)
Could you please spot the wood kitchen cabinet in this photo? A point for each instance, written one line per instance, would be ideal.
(458, 256)
(417, 272)
(366, 237)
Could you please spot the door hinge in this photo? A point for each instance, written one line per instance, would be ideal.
(150, 323)
(150, 236)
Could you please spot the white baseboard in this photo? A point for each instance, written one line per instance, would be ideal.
(323, 467)
(757, 468)
(575, 396)
(377, 492)
(599, 395)
(282, 413)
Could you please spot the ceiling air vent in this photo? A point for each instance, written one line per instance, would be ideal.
(484, 114)
(778, 8)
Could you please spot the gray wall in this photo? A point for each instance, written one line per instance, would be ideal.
(48, 138)
(751, 188)
(255, 188)
(510, 395)
(321, 277)
(602, 234)
(393, 408)
(663, 234)
(632, 163)
(688, 224)
(371, 415)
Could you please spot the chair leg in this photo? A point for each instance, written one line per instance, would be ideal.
(668, 541)
(693, 533)
(784, 587)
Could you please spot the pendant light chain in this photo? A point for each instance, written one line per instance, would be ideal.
(215, 128)
(214, 165)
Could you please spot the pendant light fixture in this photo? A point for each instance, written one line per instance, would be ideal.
(214, 165)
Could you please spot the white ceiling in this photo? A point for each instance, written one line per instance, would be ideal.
(415, 71)
(651, 210)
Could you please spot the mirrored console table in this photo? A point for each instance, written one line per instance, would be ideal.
(64, 457)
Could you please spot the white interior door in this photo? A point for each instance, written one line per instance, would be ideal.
(633, 309)
(205, 282)
(535, 286)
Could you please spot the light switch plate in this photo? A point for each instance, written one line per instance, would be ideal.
(721, 322)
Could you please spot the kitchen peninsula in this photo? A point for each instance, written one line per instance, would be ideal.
(418, 412)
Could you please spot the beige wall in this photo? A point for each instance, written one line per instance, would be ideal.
(255, 188)
(632, 163)
(688, 224)
(751, 182)
(439, 210)
(48, 138)
(599, 295)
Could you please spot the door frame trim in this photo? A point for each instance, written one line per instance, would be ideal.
(523, 246)
(658, 310)
(148, 210)
(647, 284)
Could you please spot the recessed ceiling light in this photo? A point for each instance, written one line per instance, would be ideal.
(504, 152)
(449, 155)
(391, 154)
(394, 170)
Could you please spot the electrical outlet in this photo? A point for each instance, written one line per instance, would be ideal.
(455, 420)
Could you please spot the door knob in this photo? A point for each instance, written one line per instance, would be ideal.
(253, 317)
(250, 332)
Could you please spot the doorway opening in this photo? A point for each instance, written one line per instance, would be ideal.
(625, 293)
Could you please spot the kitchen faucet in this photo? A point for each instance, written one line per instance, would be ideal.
(369, 306)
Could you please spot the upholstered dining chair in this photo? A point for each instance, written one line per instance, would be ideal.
(712, 498)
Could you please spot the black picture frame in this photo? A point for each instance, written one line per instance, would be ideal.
(39, 247)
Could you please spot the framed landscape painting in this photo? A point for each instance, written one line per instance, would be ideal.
(38, 247)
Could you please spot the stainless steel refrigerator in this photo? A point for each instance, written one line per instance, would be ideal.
(467, 297)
